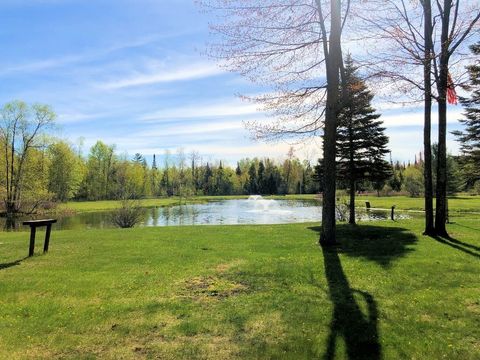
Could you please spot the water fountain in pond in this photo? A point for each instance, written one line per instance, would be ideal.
(265, 205)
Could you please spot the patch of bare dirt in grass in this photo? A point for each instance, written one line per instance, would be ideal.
(474, 307)
(212, 287)
(221, 285)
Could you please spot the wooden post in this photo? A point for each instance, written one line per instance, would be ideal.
(33, 230)
(47, 238)
(392, 214)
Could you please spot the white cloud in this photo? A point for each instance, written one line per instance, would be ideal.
(219, 109)
(72, 117)
(71, 59)
(163, 74)
(416, 118)
(188, 129)
(40, 65)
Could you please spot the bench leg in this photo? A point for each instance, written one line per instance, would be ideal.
(47, 238)
(32, 240)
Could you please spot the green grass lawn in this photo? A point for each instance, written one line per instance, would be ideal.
(243, 292)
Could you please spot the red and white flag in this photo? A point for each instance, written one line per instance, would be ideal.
(452, 97)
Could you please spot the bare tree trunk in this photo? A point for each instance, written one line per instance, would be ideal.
(333, 63)
(427, 128)
(441, 208)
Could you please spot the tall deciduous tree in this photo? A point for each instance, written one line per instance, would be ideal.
(451, 37)
(295, 48)
(100, 171)
(334, 63)
(407, 52)
(361, 139)
(21, 130)
(427, 117)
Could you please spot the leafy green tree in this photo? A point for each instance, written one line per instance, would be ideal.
(413, 182)
(223, 181)
(396, 180)
(66, 171)
(100, 172)
(361, 139)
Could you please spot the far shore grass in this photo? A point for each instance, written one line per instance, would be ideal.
(243, 292)
(459, 203)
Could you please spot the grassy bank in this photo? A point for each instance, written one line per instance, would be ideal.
(104, 205)
(456, 204)
(227, 292)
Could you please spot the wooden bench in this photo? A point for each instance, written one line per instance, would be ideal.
(33, 229)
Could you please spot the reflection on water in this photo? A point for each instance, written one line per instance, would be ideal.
(227, 212)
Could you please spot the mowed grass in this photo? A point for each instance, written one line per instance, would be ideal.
(243, 292)
(456, 204)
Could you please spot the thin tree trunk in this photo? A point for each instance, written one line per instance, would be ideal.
(427, 128)
(334, 59)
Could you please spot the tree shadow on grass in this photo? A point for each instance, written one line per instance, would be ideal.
(464, 226)
(459, 245)
(359, 330)
(11, 264)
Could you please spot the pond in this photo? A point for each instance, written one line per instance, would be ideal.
(255, 210)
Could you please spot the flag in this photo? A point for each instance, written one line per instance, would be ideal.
(452, 97)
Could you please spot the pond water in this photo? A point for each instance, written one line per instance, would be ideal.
(255, 210)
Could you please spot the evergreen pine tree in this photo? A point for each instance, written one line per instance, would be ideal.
(361, 139)
(318, 175)
(469, 138)
(207, 180)
(154, 163)
(138, 158)
(252, 185)
(238, 170)
(261, 178)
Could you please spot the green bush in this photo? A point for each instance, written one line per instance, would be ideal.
(413, 181)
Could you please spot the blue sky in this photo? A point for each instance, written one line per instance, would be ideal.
(133, 73)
